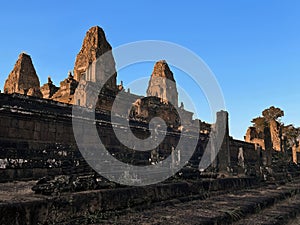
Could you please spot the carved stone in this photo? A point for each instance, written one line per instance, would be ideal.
(49, 89)
(66, 91)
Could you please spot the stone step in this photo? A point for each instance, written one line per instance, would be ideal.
(272, 204)
(281, 213)
(295, 221)
(19, 205)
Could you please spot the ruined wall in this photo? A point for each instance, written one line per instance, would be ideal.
(25, 118)
(36, 139)
(275, 129)
(253, 136)
(65, 93)
(149, 107)
(244, 157)
(49, 89)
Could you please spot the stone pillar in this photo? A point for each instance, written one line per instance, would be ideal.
(268, 145)
(212, 146)
(284, 143)
(294, 154)
(241, 159)
(222, 135)
(259, 161)
(259, 155)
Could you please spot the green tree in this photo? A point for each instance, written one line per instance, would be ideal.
(292, 134)
(259, 123)
(268, 115)
(272, 113)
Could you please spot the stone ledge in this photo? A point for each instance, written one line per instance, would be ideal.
(38, 209)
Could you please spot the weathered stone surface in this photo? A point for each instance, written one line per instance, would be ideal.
(256, 137)
(97, 81)
(294, 154)
(23, 78)
(222, 139)
(162, 83)
(94, 74)
(66, 91)
(162, 91)
(275, 130)
(149, 107)
(19, 205)
(94, 45)
(269, 204)
(252, 136)
(49, 89)
(268, 145)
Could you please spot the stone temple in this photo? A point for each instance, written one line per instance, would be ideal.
(53, 183)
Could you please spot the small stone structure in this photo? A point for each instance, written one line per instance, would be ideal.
(66, 90)
(149, 107)
(49, 89)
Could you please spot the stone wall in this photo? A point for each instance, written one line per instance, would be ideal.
(257, 137)
(36, 136)
(244, 157)
(36, 139)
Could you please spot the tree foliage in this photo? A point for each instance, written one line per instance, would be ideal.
(291, 133)
(259, 123)
(272, 113)
(268, 115)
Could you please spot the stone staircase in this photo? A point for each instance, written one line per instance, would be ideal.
(281, 212)
(273, 204)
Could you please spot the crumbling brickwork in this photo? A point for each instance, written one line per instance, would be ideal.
(23, 78)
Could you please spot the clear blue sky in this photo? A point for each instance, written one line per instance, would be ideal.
(253, 47)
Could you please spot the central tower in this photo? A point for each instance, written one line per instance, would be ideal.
(162, 84)
(94, 46)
